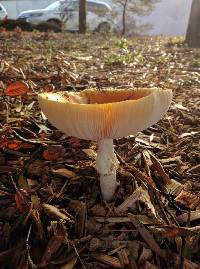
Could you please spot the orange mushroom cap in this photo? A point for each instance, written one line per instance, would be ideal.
(97, 114)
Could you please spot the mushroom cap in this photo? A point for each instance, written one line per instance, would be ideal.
(97, 114)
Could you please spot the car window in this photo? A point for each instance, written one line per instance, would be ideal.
(97, 7)
(90, 6)
(53, 6)
(73, 5)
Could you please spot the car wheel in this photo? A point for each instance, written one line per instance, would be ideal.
(104, 27)
(55, 22)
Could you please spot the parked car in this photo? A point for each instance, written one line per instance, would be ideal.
(3, 13)
(99, 15)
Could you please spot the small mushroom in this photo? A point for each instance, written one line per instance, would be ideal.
(104, 115)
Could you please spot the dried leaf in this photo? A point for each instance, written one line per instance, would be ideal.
(10, 144)
(21, 199)
(64, 172)
(180, 106)
(54, 212)
(53, 153)
(91, 153)
(16, 89)
(188, 134)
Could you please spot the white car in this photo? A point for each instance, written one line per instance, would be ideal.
(3, 13)
(99, 15)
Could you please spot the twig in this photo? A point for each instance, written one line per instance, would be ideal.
(182, 253)
(31, 141)
(30, 261)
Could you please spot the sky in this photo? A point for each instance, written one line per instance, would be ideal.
(170, 17)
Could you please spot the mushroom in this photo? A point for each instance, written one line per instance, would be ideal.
(104, 115)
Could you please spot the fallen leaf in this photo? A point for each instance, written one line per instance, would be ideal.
(56, 213)
(64, 172)
(91, 153)
(54, 152)
(21, 199)
(16, 89)
(10, 144)
(188, 134)
(180, 106)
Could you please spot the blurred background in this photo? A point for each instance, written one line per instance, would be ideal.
(169, 17)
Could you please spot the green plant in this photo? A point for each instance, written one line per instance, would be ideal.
(122, 43)
(120, 58)
(196, 62)
(49, 51)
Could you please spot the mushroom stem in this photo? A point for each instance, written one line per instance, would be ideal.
(106, 165)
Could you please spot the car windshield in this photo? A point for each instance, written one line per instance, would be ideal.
(53, 6)
(92, 6)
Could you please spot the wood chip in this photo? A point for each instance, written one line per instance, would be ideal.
(147, 236)
(130, 201)
(111, 261)
(64, 172)
(192, 215)
(188, 199)
(70, 264)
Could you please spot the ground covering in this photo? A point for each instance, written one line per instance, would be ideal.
(51, 211)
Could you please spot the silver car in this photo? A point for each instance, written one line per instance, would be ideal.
(99, 15)
(3, 13)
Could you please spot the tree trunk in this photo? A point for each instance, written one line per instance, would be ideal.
(82, 16)
(124, 18)
(193, 30)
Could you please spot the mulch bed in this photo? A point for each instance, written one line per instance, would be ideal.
(51, 211)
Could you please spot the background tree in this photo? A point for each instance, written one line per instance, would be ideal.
(135, 7)
(193, 30)
(82, 16)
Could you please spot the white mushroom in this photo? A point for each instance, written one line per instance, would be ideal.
(103, 116)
